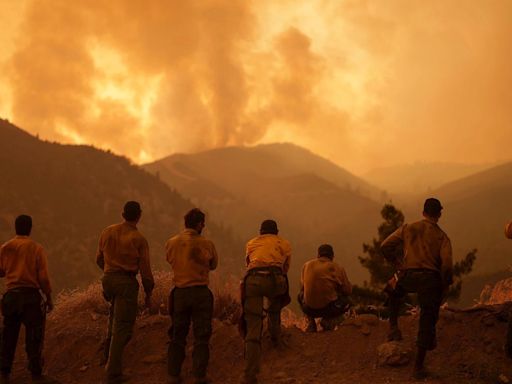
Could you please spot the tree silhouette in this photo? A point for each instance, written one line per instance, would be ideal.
(381, 270)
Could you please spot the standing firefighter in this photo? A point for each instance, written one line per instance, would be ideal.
(426, 269)
(324, 290)
(24, 265)
(122, 253)
(192, 257)
(508, 344)
(268, 260)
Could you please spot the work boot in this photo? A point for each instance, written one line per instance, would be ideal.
(311, 327)
(327, 324)
(42, 379)
(174, 380)
(118, 379)
(395, 334)
(507, 348)
(245, 380)
(420, 373)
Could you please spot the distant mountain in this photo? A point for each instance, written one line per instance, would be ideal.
(477, 208)
(313, 200)
(419, 178)
(73, 192)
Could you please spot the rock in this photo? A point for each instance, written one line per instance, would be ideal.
(365, 330)
(357, 322)
(369, 319)
(393, 354)
(153, 359)
(447, 315)
(503, 379)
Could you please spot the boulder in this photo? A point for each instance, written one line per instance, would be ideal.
(369, 319)
(394, 354)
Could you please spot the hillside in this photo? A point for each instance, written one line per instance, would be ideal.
(476, 210)
(73, 192)
(419, 178)
(313, 200)
(469, 349)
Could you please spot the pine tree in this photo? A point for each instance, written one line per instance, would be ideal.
(380, 270)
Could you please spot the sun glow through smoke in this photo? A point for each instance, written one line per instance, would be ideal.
(350, 80)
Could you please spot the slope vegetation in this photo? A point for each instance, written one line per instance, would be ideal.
(313, 200)
(73, 192)
(469, 348)
(477, 208)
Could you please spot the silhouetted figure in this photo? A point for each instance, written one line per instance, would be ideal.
(508, 343)
(426, 269)
(122, 252)
(324, 290)
(268, 261)
(191, 257)
(24, 265)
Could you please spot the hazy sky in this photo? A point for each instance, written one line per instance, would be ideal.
(364, 83)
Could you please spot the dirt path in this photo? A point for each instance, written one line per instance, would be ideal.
(469, 351)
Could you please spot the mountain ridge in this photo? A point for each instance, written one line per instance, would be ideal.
(73, 192)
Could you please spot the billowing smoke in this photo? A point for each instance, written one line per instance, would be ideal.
(361, 82)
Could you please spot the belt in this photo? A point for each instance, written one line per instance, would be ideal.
(122, 273)
(265, 271)
(24, 290)
(202, 286)
(422, 270)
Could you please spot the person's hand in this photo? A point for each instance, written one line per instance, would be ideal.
(147, 302)
(49, 305)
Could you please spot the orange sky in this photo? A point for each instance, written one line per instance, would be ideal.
(364, 83)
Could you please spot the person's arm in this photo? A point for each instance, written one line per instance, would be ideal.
(100, 258)
(248, 250)
(148, 282)
(389, 246)
(214, 261)
(287, 252)
(446, 262)
(2, 268)
(43, 277)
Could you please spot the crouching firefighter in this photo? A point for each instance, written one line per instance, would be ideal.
(268, 260)
(325, 290)
(426, 269)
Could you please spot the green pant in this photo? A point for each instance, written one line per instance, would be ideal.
(258, 286)
(121, 290)
(192, 304)
(428, 285)
(23, 306)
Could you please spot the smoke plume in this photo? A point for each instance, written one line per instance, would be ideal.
(364, 83)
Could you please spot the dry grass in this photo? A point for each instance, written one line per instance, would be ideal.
(227, 304)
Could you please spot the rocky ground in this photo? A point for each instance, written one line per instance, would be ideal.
(469, 351)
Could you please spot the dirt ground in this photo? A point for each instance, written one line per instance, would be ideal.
(469, 351)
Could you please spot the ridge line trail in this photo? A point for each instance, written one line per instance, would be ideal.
(469, 351)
